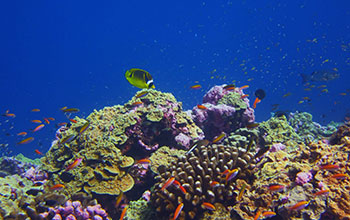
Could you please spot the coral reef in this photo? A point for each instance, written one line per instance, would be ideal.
(277, 130)
(306, 128)
(15, 165)
(342, 131)
(225, 111)
(196, 173)
(164, 156)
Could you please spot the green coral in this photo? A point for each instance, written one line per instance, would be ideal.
(278, 130)
(140, 210)
(164, 156)
(306, 128)
(233, 99)
(24, 159)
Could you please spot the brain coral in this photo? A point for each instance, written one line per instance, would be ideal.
(196, 173)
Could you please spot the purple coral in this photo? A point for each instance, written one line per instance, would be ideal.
(225, 117)
(303, 177)
(277, 147)
(75, 210)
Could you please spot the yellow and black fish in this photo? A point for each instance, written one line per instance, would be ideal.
(140, 78)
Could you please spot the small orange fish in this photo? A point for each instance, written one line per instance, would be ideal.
(244, 87)
(35, 110)
(300, 205)
(268, 214)
(276, 188)
(178, 211)
(84, 127)
(339, 176)
(322, 192)
(241, 192)
(39, 127)
(257, 100)
(137, 103)
(57, 187)
(331, 167)
(10, 115)
(244, 96)
(47, 121)
(343, 94)
(202, 107)
(196, 87)
(252, 125)
(229, 87)
(119, 199)
(144, 161)
(36, 121)
(207, 205)
(219, 138)
(38, 152)
(183, 190)
(257, 215)
(72, 120)
(168, 183)
(123, 212)
(141, 94)
(23, 133)
(214, 184)
(63, 108)
(62, 123)
(231, 174)
(70, 110)
(74, 164)
(26, 141)
(51, 118)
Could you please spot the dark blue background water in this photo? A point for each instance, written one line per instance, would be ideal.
(75, 53)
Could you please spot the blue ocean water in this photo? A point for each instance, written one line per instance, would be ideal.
(75, 54)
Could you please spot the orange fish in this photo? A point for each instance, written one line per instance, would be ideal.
(276, 188)
(38, 152)
(144, 161)
(168, 183)
(268, 214)
(257, 100)
(322, 192)
(339, 176)
(229, 87)
(207, 205)
(231, 174)
(51, 118)
(244, 87)
(137, 103)
(62, 123)
(244, 96)
(36, 121)
(39, 127)
(70, 110)
(183, 190)
(219, 138)
(123, 212)
(57, 187)
(214, 184)
(257, 215)
(84, 127)
(300, 205)
(202, 107)
(23, 133)
(178, 211)
(196, 87)
(141, 94)
(63, 108)
(329, 167)
(119, 199)
(10, 115)
(72, 120)
(252, 125)
(35, 110)
(26, 141)
(47, 121)
(74, 164)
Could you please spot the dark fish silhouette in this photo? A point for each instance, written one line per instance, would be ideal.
(320, 76)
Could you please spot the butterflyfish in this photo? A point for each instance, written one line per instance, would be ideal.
(139, 78)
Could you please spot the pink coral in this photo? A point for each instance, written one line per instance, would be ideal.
(75, 210)
(277, 147)
(303, 177)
